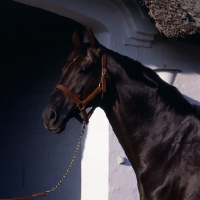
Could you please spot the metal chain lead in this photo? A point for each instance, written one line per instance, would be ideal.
(71, 163)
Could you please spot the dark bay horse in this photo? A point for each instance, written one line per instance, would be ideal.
(158, 129)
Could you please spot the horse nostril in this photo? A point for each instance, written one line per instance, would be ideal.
(52, 117)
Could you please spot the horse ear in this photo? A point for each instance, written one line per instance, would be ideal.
(75, 39)
(90, 35)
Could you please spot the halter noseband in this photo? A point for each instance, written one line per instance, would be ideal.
(82, 104)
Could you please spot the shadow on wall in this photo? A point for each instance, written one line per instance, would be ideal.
(33, 159)
(192, 101)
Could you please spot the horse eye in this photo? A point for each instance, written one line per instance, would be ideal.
(84, 70)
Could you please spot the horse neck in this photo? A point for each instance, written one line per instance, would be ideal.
(136, 103)
(127, 108)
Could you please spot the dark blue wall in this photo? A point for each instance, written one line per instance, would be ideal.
(35, 45)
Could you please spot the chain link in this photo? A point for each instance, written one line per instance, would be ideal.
(71, 163)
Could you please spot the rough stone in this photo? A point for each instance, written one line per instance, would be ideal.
(175, 18)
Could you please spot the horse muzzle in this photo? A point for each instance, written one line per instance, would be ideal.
(53, 121)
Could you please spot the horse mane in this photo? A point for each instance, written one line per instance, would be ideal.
(78, 51)
(169, 94)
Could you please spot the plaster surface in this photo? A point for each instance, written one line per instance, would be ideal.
(95, 158)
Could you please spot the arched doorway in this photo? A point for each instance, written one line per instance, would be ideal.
(35, 46)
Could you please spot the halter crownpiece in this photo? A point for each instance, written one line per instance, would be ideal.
(82, 104)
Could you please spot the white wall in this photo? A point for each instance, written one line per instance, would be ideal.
(95, 159)
(133, 35)
(95, 150)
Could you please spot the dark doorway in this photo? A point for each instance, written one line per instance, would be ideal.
(34, 48)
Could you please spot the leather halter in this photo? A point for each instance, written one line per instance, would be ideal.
(82, 104)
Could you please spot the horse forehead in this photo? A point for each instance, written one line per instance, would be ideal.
(76, 60)
(82, 58)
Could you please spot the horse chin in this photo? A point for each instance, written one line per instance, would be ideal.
(56, 130)
(59, 130)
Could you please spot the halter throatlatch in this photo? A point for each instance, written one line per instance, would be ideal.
(82, 104)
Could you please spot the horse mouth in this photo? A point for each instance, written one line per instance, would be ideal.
(59, 130)
(56, 130)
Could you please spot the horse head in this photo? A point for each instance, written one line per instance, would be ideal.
(79, 87)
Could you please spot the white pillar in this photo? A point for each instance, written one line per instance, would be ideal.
(95, 158)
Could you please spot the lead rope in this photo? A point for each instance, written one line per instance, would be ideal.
(64, 176)
(71, 163)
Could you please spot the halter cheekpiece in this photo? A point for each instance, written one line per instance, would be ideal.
(82, 104)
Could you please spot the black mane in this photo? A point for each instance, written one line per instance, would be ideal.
(168, 93)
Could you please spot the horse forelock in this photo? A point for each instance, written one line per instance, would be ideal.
(78, 52)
